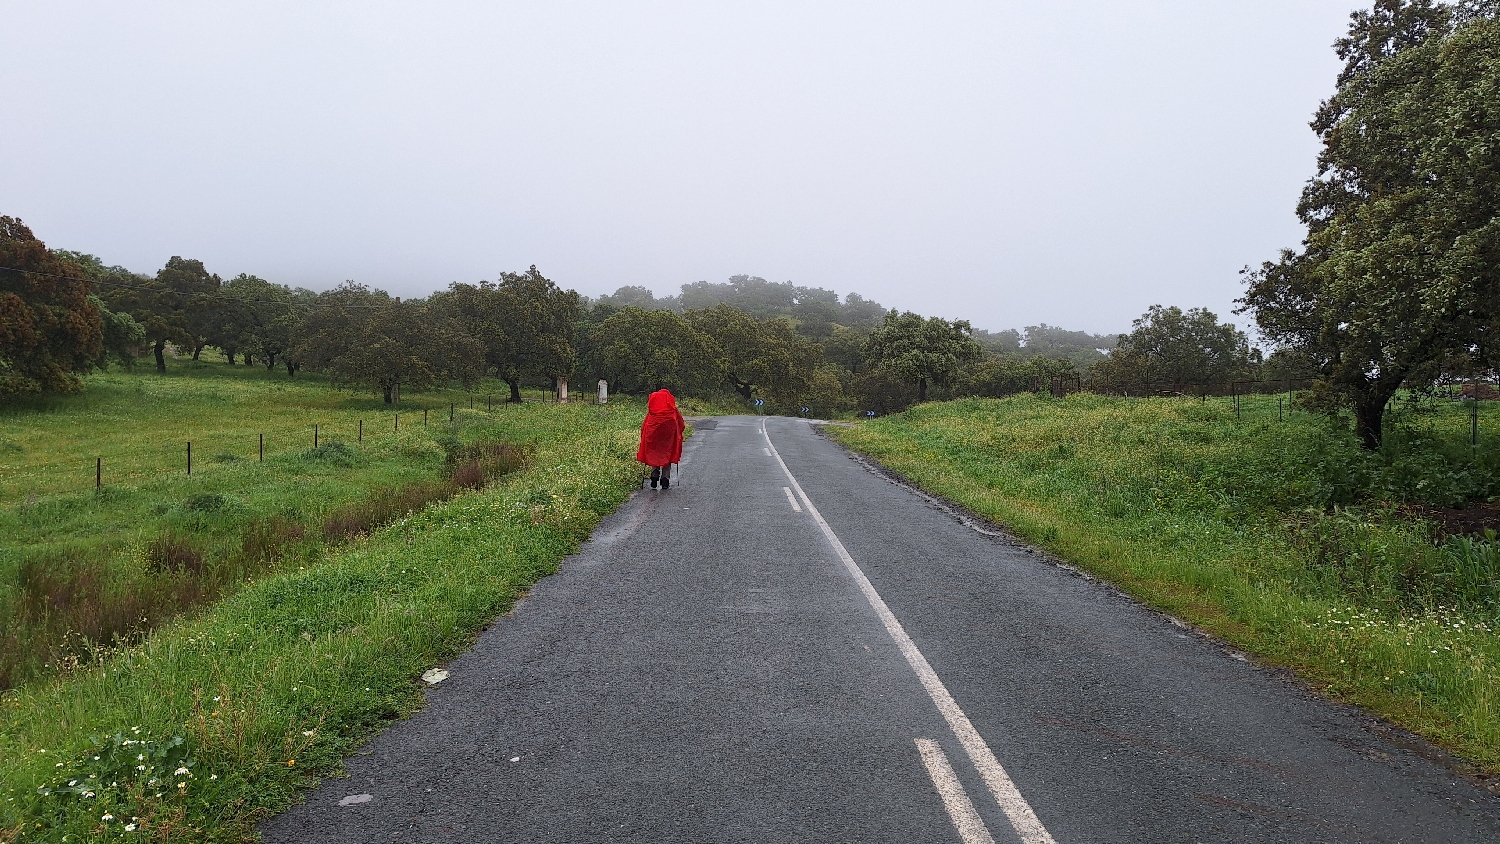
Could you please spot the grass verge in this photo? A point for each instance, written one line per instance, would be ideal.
(239, 709)
(1250, 530)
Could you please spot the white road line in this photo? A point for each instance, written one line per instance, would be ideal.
(1021, 816)
(792, 499)
(766, 450)
(970, 826)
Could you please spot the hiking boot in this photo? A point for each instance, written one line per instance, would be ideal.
(666, 483)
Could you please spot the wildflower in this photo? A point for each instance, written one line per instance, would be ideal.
(140, 757)
(140, 767)
(106, 817)
(180, 771)
(291, 762)
(307, 732)
(182, 785)
(213, 776)
(130, 827)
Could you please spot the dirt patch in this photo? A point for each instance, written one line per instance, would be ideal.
(1472, 520)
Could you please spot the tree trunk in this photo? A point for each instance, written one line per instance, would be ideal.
(515, 389)
(396, 393)
(271, 360)
(230, 355)
(291, 369)
(741, 387)
(1369, 417)
(161, 358)
(197, 350)
(386, 389)
(249, 359)
(921, 390)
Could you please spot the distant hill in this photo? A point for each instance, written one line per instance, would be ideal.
(817, 310)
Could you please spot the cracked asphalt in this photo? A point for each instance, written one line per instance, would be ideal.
(706, 669)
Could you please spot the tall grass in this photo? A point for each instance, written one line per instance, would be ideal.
(1279, 535)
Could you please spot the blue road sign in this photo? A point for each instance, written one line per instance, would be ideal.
(760, 402)
(807, 410)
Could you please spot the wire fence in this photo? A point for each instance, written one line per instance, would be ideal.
(1469, 393)
(23, 477)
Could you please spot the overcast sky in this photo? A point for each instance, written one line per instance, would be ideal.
(1069, 162)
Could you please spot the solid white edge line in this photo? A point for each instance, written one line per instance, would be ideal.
(791, 499)
(1022, 818)
(965, 819)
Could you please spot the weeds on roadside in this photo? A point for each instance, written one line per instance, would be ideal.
(69, 608)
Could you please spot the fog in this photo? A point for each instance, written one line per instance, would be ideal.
(1009, 163)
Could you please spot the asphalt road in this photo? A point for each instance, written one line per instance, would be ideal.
(787, 646)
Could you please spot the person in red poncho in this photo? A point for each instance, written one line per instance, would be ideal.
(661, 437)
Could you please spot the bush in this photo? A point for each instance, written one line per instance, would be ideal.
(332, 453)
(209, 502)
(173, 553)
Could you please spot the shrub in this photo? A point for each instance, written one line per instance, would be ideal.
(332, 453)
(172, 553)
(208, 502)
(469, 475)
(265, 540)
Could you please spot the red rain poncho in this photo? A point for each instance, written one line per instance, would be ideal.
(661, 433)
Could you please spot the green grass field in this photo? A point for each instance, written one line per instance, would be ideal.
(1276, 535)
(110, 561)
(269, 684)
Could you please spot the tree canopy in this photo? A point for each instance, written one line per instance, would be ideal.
(1176, 348)
(1399, 266)
(365, 337)
(928, 350)
(51, 329)
(767, 355)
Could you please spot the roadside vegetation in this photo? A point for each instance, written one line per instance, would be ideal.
(256, 621)
(1277, 533)
(84, 567)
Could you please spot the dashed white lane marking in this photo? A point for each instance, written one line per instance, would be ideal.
(767, 451)
(970, 826)
(1017, 810)
(791, 499)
